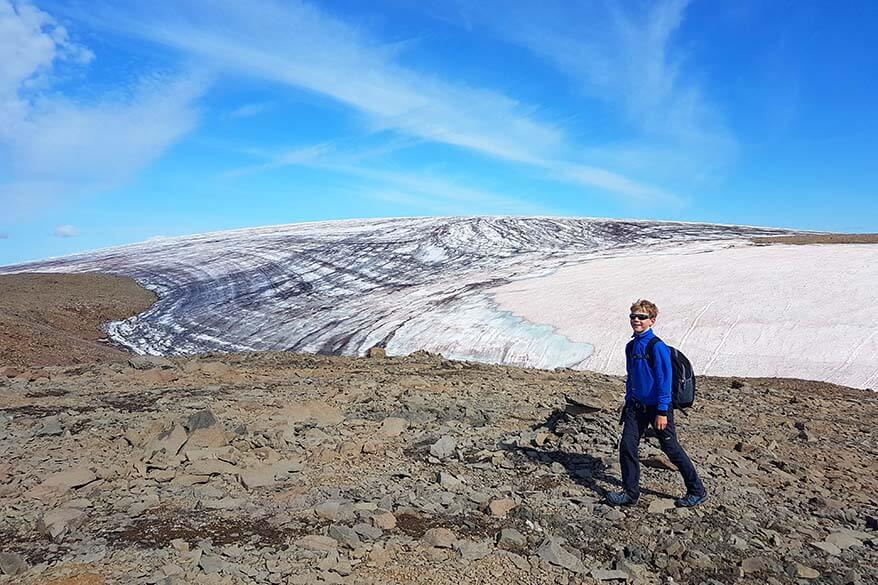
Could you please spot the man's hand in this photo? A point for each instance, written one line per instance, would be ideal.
(660, 422)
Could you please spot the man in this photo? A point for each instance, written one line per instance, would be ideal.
(648, 401)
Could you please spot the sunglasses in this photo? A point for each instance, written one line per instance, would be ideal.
(639, 316)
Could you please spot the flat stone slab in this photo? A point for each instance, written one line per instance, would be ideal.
(57, 523)
(70, 478)
(608, 575)
(660, 506)
(444, 447)
(439, 537)
(317, 543)
(473, 550)
(552, 552)
(393, 426)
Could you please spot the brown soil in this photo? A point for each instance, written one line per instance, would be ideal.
(56, 319)
(83, 579)
(160, 527)
(819, 239)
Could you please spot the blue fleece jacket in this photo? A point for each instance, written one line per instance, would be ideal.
(645, 384)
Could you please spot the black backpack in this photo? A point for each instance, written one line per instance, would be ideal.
(683, 380)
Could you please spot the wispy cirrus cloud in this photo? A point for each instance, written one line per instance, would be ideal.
(65, 231)
(298, 45)
(250, 110)
(54, 147)
(626, 55)
(419, 190)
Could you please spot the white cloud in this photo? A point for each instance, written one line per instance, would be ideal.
(65, 231)
(295, 44)
(31, 43)
(110, 139)
(250, 110)
(52, 147)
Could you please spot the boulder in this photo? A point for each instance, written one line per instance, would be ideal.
(57, 523)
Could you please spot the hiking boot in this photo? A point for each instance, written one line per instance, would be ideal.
(690, 500)
(620, 499)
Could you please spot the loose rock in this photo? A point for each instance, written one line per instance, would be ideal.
(57, 523)
(444, 447)
(12, 564)
(439, 537)
(552, 552)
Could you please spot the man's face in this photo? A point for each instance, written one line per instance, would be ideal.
(640, 321)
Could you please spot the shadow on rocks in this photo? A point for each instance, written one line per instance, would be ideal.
(586, 470)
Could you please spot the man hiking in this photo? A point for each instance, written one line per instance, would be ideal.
(648, 401)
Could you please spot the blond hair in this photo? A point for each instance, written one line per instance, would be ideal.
(644, 306)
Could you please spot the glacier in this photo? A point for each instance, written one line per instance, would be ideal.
(441, 284)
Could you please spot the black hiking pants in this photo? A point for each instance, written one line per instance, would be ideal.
(637, 417)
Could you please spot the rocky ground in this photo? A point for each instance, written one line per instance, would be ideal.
(806, 239)
(283, 468)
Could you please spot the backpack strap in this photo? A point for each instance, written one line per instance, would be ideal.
(650, 347)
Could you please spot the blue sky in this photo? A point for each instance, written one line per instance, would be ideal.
(122, 121)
